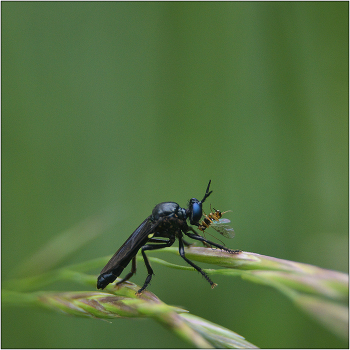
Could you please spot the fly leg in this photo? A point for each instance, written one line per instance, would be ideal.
(202, 239)
(164, 244)
(187, 244)
(204, 243)
(131, 273)
(182, 254)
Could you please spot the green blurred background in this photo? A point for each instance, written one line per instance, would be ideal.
(120, 106)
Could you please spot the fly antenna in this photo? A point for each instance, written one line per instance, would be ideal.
(207, 193)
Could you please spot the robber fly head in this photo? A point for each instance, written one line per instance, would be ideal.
(195, 207)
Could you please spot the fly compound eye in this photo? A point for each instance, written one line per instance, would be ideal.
(196, 213)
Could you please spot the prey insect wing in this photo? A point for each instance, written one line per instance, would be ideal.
(222, 227)
(222, 221)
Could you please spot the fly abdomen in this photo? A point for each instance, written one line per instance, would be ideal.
(108, 277)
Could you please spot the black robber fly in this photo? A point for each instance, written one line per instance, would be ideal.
(167, 222)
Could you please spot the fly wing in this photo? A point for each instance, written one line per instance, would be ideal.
(132, 245)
